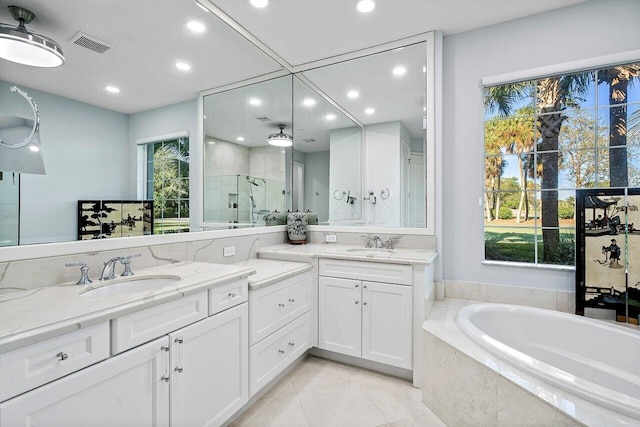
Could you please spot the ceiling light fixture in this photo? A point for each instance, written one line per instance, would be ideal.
(196, 27)
(330, 117)
(399, 70)
(365, 6)
(353, 94)
(369, 111)
(112, 89)
(17, 44)
(259, 3)
(240, 138)
(280, 139)
(309, 102)
(183, 66)
(255, 102)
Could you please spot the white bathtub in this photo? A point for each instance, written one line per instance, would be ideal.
(591, 359)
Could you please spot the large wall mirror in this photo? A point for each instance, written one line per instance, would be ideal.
(90, 136)
(359, 153)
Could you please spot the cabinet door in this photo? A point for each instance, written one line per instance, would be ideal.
(210, 365)
(339, 312)
(386, 324)
(126, 390)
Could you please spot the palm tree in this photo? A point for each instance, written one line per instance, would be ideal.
(618, 80)
(553, 95)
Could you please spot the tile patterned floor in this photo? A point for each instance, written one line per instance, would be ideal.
(322, 393)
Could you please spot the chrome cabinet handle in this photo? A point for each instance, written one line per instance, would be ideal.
(291, 344)
(179, 367)
(291, 300)
(280, 351)
(364, 303)
(62, 356)
(364, 286)
(357, 285)
(164, 378)
(357, 302)
(280, 305)
(232, 295)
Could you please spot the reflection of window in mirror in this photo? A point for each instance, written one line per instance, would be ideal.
(163, 176)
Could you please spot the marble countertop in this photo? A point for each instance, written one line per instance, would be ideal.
(269, 271)
(347, 252)
(27, 317)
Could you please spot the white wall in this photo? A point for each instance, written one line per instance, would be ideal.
(590, 29)
(345, 175)
(83, 148)
(316, 180)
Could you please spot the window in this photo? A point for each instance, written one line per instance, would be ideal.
(545, 138)
(167, 183)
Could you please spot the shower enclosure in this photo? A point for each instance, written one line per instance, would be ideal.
(242, 199)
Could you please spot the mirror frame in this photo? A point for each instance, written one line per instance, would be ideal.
(432, 93)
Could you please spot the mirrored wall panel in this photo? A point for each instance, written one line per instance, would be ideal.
(386, 93)
(248, 153)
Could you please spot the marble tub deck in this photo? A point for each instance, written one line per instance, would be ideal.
(463, 382)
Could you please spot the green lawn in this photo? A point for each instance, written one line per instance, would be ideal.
(518, 244)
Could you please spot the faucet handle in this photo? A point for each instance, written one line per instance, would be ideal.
(126, 261)
(84, 270)
(392, 240)
(368, 241)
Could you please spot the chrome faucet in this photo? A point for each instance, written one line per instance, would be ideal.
(126, 261)
(378, 241)
(109, 269)
(84, 270)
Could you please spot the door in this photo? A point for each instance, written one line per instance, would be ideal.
(386, 324)
(340, 315)
(126, 390)
(210, 364)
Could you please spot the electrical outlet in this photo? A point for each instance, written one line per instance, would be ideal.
(330, 238)
(229, 251)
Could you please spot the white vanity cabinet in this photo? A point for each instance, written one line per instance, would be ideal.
(365, 310)
(279, 327)
(209, 369)
(130, 389)
(173, 364)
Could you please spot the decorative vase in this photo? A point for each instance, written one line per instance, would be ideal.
(312, 217)
(275, 218)
(297, 228)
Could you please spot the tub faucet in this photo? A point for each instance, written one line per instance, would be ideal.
(109, 269)
(378, 241)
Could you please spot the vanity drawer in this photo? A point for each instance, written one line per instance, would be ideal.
(145, 325)
(228, 295)
(274, 306)
(398, 274)
(272, 355)
(29, 367)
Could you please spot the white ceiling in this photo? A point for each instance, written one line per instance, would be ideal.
(150, 35)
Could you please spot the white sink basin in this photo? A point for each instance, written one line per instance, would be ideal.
(371, 251)
(129, 286)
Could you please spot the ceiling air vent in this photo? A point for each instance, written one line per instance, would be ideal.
(264, 119)
(309, 140)
(92, 43)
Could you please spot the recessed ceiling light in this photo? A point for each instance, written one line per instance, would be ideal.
(259, 3)
(196, 27)
(183, 66)
(240, 138)
(399, 70)
(365, 6)
(330, 117)
(112, 89)
(353, 94)
(369, 111)
(309, 102)
(255, 102)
